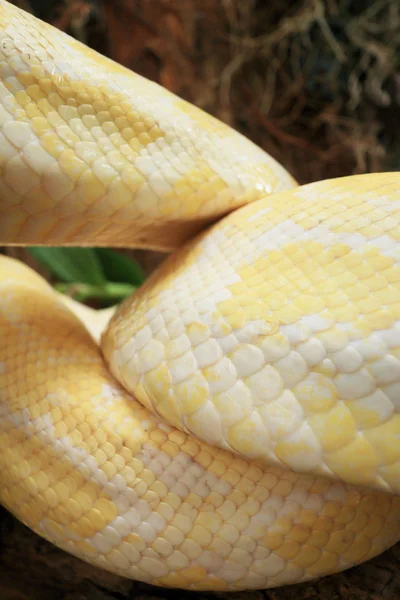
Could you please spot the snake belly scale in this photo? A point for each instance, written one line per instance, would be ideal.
(238, 427)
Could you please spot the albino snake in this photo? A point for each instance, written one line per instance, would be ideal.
(262, 446)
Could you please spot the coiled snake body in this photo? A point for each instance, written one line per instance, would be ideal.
(260, 445)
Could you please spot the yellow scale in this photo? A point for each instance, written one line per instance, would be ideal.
(253, 438)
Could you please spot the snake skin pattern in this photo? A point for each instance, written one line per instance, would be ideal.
(239, 427)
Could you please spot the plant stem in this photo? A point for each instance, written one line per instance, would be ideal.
(108, 291)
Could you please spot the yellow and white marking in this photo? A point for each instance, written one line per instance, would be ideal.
(289, 344)
(93, 153)
(87, 467)
(268, 347)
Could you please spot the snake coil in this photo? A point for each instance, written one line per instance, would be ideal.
(239, 427)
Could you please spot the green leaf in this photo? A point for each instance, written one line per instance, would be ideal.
(71, 265)
(109, 293)
(118, 267)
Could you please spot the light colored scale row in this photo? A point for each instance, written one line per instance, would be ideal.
(257, 334)
(87, 467)
(87, 148)
(277, 334)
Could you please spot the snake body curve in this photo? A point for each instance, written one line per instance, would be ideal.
(258, 442)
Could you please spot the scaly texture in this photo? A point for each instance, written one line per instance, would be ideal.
(277, 334)
(273, 337)
(94, 154)
(87, 467)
